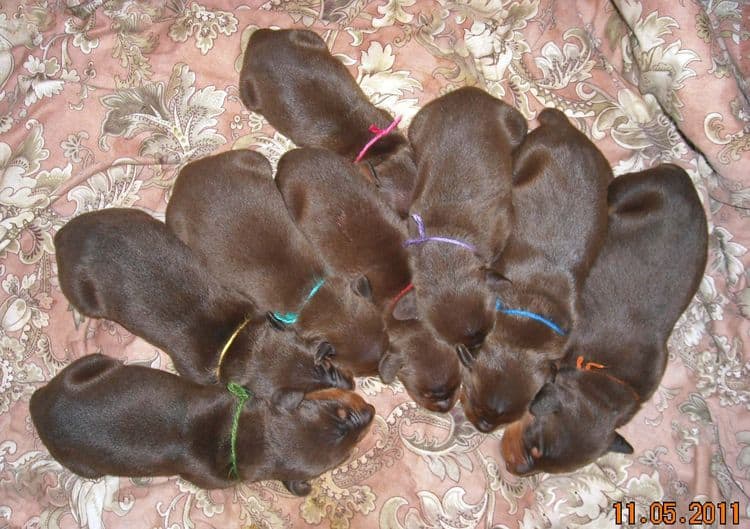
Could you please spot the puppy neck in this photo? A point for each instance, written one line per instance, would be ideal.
(533, 310)
(232, 349)
(615, 384)
(249, 441)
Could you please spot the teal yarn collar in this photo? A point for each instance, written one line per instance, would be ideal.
(290, 318)
(242, 395)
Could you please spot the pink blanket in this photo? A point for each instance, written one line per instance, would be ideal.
(102, 101)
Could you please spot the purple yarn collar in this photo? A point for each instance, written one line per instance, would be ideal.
(423, 237)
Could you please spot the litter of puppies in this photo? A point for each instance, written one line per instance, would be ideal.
(469, 259)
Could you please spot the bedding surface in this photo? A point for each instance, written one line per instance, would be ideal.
(101, 103)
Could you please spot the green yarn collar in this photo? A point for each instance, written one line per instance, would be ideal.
(242, 395)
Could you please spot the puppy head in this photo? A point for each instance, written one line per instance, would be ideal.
(570, 423)
(463, 318)
(450, 294)
(458, 307)
(343, 315)
(504, 375)
(273, 360)
(500, 381)
(316, 436)
(427, 367)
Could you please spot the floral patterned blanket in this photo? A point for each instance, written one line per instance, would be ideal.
(101, 101)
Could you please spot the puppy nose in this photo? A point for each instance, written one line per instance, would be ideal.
(360, 417)
(368, 413)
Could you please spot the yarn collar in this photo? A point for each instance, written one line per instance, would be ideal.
(423, 238)
(289, 318)
(500, 307)
(242, 395)
(379, 133)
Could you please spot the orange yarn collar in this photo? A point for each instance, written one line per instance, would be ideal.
(598, 368)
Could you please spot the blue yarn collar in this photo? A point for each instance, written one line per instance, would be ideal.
(500, 307)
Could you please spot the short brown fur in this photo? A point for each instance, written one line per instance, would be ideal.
(648, 270)
(291, 78)
(99, 417)
(227, 209)
(559, 191)
(357, 233)
(126, 266)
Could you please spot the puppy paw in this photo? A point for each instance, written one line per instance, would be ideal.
(298, 488)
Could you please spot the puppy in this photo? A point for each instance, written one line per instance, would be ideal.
(462, 210)
(648, 270)
(227, 209)
(99, 417)
(349, 223)
(125, 266)
(559, 192)
(291, 78)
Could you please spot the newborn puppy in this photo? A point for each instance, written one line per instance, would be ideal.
(461, 215)
(291, 78)
(356, 233)
(125, 266)
(227, 209)
(648, 270)
(99, 417)
(559, 192)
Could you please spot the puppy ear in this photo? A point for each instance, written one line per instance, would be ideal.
(287, 399)
(620, 445)
(361, 287)
(465, 356)
(390, 364)
(325, 350)
(298, 488)
(275, 323)
(406, 307)
(515, 125)
(546, 401)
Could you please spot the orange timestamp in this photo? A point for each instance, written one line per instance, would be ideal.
(665, 513)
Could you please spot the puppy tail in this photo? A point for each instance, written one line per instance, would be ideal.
(552, 117)
(515, 125)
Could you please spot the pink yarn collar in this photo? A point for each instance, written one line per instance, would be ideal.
(379, 133)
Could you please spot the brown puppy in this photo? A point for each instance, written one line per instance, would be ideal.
(99, 417)
(227, 209)
(648, 270)
(124, 265)
(291, 78)
(463, 143)
(356, 233)
(560, 184)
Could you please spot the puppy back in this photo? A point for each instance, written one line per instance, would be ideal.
(228, 209)
(646, 274)
(345, 218)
